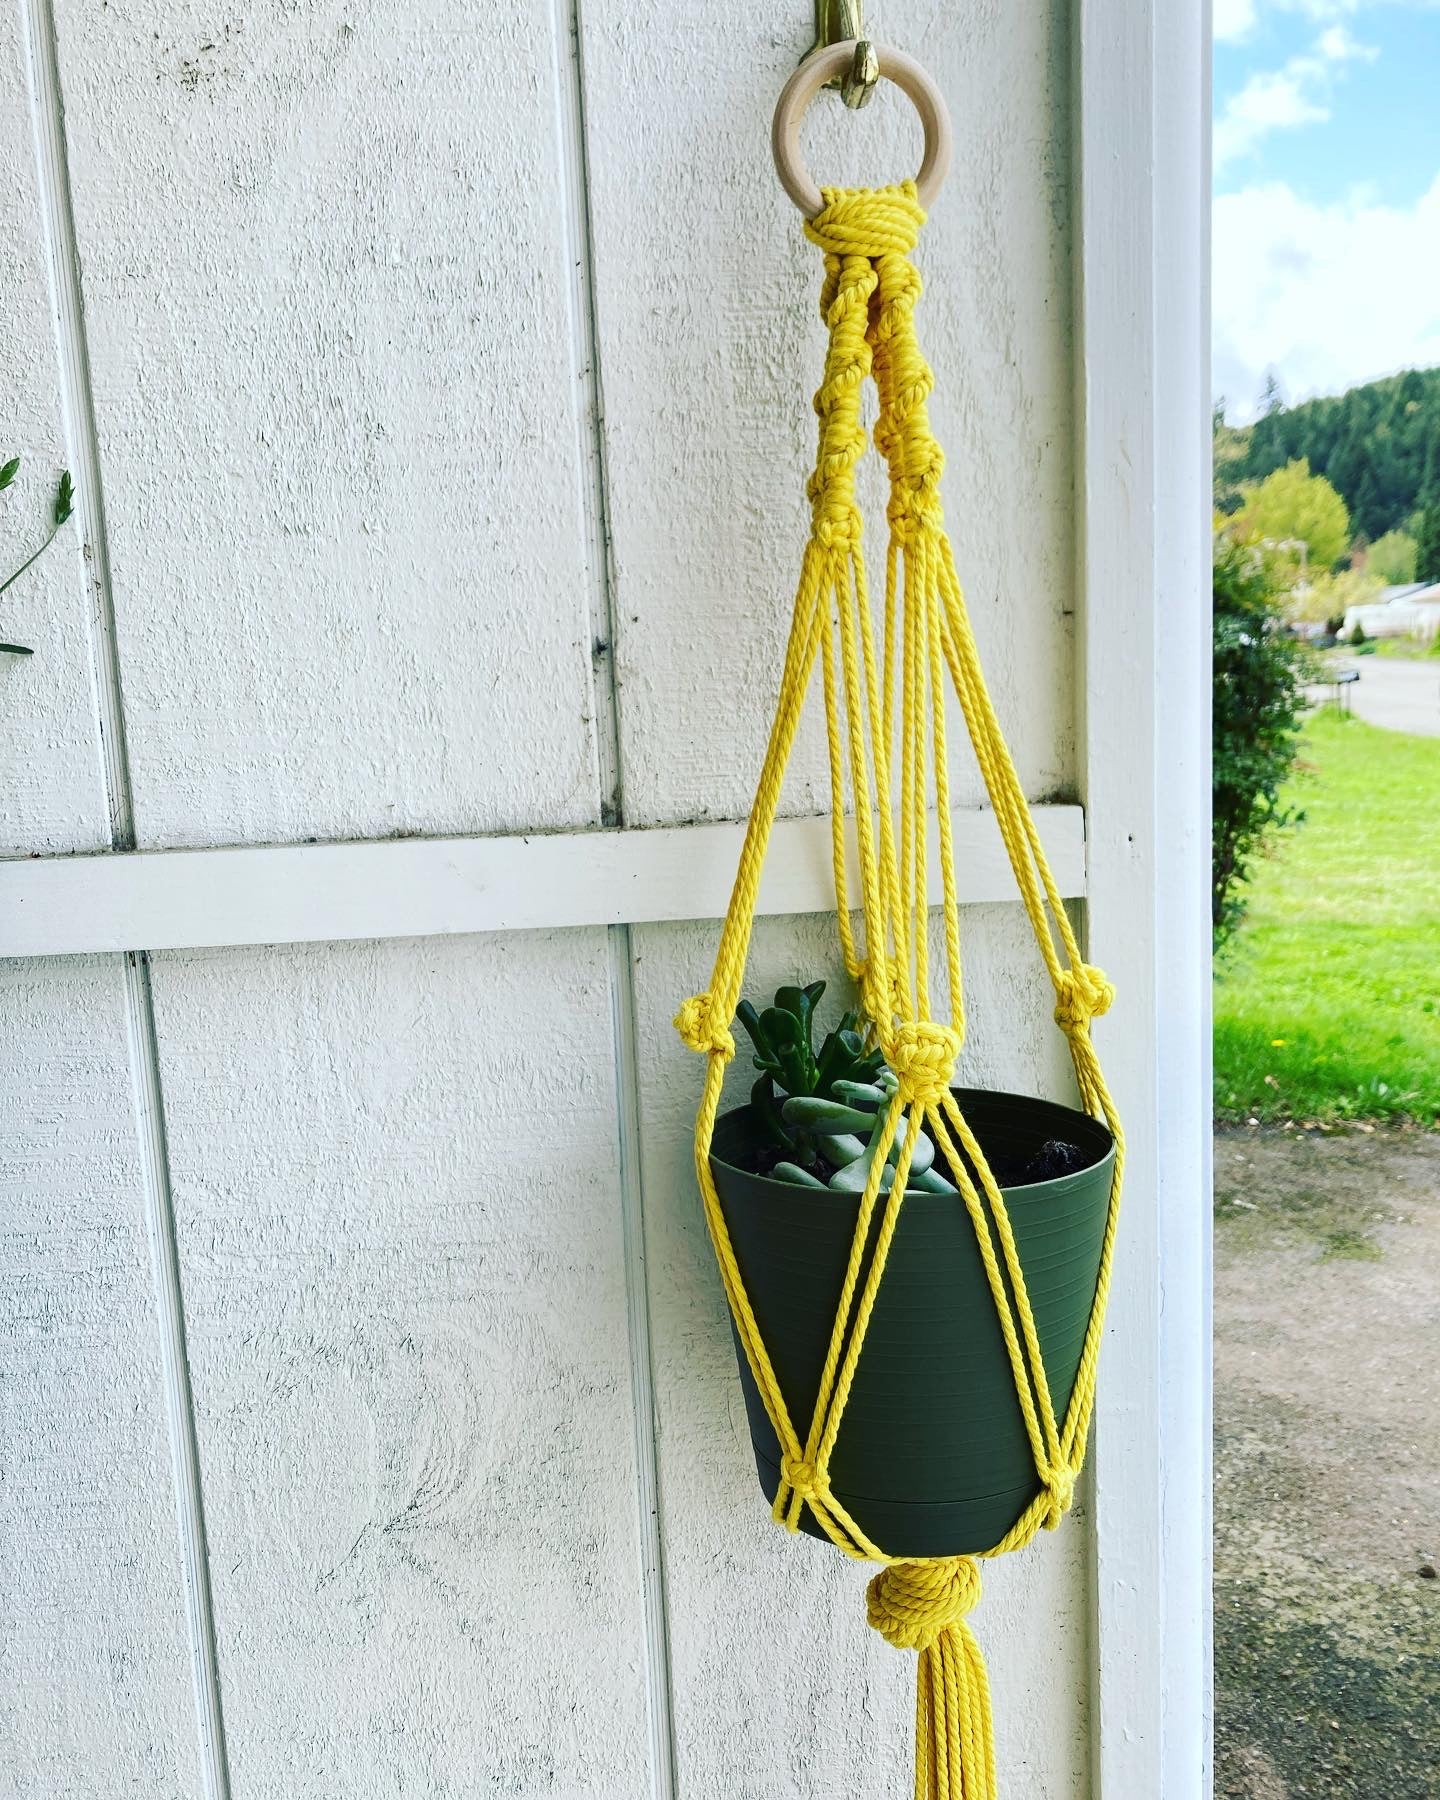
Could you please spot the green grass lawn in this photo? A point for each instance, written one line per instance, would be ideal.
(1327, 1004)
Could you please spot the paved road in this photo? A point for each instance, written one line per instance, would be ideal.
(1402, 696)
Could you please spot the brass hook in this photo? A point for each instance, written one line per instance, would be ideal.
(843, 22)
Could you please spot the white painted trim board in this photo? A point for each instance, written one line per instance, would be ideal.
(425, 887)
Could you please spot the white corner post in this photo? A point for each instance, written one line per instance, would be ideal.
(1143, 481)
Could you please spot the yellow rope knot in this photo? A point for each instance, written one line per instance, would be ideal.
(1081, 994)
(870, 222)
(1060, 1486)
(923, 1056)
(700, 1031)
(837, 522)
(911, 1603)
(800, 1476)
(914, 508)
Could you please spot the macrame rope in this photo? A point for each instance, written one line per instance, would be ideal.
(868, 304)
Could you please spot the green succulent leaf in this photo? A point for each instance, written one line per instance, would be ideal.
(865, 1094)
(8, 472)
(924, 1153)
(842, 1150)
(781, 1027)
(795, 1175)
(853, 1177)
(800, 1004)
(64, 499)
(17, 649)
(827, 1116)
(767, 1113)
(750, 1019)
(930, 1181)
(795, 1070)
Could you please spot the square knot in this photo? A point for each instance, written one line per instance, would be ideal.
(837, 522)
(1060, 1487)
(800, 1476)
(911, 1603)
(923, 1057)
(915, 504)
(701, 1031)
(1081, 994)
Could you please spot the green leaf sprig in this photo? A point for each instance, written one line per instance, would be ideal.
(61, 511)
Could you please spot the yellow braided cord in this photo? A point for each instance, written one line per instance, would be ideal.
(868, 304)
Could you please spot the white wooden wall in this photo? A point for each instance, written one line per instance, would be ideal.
(436, 379)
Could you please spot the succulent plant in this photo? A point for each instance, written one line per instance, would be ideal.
(823, 1113)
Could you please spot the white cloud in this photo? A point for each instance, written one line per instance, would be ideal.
(1233, 20)
(1280, 99)
(1227, 12)
(1336, 45)
(1275, 101)
(1326, 295)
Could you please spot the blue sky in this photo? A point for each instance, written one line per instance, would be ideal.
(1327, 193)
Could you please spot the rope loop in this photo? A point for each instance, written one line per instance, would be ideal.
(1081, 994)
(911, 1603)
(868, 222)
(923, 1055)
(701, 1031)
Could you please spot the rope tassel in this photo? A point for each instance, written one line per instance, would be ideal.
(924, 1606)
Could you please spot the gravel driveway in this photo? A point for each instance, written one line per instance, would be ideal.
(1327, 1439)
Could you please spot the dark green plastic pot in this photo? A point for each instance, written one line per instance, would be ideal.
(932, 1457)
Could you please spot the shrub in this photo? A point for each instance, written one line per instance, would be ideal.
(1392, 558)
(1258, 675)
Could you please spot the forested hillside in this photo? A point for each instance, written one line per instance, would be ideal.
(1379, 445)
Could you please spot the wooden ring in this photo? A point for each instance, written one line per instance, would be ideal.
(806, 83)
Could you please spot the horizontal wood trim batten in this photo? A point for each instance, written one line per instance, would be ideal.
(426, 887)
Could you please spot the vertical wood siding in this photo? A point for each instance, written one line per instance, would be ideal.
(325, 257)
(93, 1659)
(50, 798)
(710, 348)
(405, 1299)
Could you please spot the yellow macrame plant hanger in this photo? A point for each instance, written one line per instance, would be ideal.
(868, 305)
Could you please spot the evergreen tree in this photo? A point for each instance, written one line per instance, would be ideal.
(1388, 429)
(1427, 554)
(1429, 490)
(1367, 509)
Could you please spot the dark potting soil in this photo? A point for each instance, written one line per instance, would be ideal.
(1053, 1159)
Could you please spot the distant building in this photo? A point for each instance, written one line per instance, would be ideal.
(1411, 610)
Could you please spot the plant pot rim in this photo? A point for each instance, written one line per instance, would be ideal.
(787, 1190)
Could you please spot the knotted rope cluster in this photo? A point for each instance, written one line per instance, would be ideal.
(868, 303)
